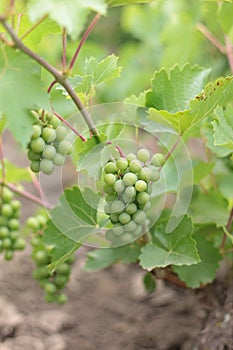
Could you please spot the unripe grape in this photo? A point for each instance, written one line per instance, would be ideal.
(6, 243)
(60, 281)
(140, 186)
(4, 232)
(35, 241)
(46, 166)
(62, 299)
(50, 288)
(110, 197)
(135, 166)
(110, 235)
(144, 206)
(33, 156)
(129, 179)
(119, 186)
(7, 195)
(114, 217)
(107, 208)
(42, 272)
(7, 210)
(9, 254)
(130, 192)
(138, 230)
(49, 152)
(61, 132)
(145, 174)
(117, 206)
(131, 208)
(3, 221)
(42, 220)
(19, 244)
(130, 227)
(36, 131)
(118, 229)
(65, 147)
(49, 298)
(130, 157)
(58, 159)
(143, 155)
(143, 197)
(33, 223)
(35, 166)
(158, 159)
(37, 145)
(110, 168)
(41, 257)
(13, 224)
(14, 235)
(124, 218)
(155, 175)
(63, 269)
(139, 217)
(15, 204)
(108, 189)
(54, 121)
(49, 134)
(109, 179)
(121, 163)
(126, 238)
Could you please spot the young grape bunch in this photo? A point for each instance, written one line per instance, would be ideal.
(127, 187)
(49, 144)
(10, 239)
(51, 283)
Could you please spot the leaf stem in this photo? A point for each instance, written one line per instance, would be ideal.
(33, 27)
(69, 126)
(205, 31)
(27, 195)
(84, 38)
(18, 23)
(60, 78)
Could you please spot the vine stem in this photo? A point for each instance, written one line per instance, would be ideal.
(60, 78)
(27, 195)
(228, 228)
(70, 126)
(205, 31)
(169, 277)
(84, 38)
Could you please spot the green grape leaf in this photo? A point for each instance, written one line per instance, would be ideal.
(149, 282)
(15, 174)
(225, 14)
(225, 186)
(177, 247)
(208, 208)
(63, 247)
(205, 271)
(70, 14)
(201, 170)
(173, 91)
(75, 217)
(99, 259)
(223, 127)
(214, 94)
(112, 3)
(208, 134)
(20, 78)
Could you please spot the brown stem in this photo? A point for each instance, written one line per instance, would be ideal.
(70, 126)
(211, 38)
(57, 75)
(165, 275)
(54, 82)
(84, 38)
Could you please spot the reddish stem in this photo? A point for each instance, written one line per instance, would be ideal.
(64, 37)
(51, 86)
(84, 38)
(211, 38)
(120, 151)
(70, 126)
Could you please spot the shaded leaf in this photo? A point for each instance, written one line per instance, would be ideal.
(223, 127)
(149, 282)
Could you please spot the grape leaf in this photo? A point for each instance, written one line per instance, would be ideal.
(177, 247)
(201, 170)
(208, 134)
(149, 282)
(75, 217)
(173, 91)
(15, 174)
(99, 259)
(225, 186)
(205, 271)
(20, 79)
(70, 14)
(208, 208)
(214, 93)
(223, 127)
(225, 14)
(126, 2)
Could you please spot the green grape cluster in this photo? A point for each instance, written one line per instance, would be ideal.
(10, 239)
(49, 145)
(127, 186)
(52, 283)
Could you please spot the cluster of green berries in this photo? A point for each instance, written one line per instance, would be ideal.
(49, 145)
(52, 283)
(10, 239)
(127, 185)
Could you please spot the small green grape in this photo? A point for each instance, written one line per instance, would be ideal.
(141, 186)
(126, 238)
(63, 269)
(158, 159)
(42, 220)
(41, 257)
(124, 218)
(118, 229)
(50, 298)
(110, 168)
(110, 197)
(14, 235)
(61, 132)
(49, 152)
(33, 223)
(108, 189)
(33, 156)
(65, 147)
(130, 227)
(19, 244)
(155, 176)
(60, 281)
(50, 288)
(130, 192)
(6, 243)
(117, 206)
(143, 155)
(4, 232)
(42, 272)
(139, 217)
(122, 163)
(135, 166)
(7, 195)
(35, 166)
(62, 299)
(119, 186)
(143, 197)
(36, 131)
(145, 174)
(129, 179)
(3, 221)
(109, 179)
(108, 208)
(54, 121)
(130, 157)
(13, 224)
(49, 134)
(58, 159)
(46, 166)
(114, 217)
(37, 145)
(131, 208)
(16, 204)
(35, 241)
(9, 254)
(7, 210)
